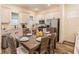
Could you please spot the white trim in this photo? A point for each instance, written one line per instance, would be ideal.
(61, 38)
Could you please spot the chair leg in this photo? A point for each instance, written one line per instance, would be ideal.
(51, 50)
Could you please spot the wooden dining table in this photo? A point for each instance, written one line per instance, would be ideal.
(31, 45)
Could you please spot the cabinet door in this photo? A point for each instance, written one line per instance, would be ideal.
(24, 18)
(5, 15)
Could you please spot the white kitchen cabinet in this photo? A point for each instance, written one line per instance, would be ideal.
(5, 18)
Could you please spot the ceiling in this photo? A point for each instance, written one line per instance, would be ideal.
(37, 7)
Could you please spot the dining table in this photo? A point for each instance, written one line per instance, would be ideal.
(32, 43)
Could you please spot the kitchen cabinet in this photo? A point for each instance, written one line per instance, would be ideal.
(5, 18)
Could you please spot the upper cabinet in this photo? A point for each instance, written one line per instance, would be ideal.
(24, 18)
(5, 18)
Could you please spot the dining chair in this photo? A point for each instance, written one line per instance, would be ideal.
(12, 49)
(52, 30)
(33, 32)
(25, 31)
(43, 48)
(52, 43)
(11, 44)
(4, 44)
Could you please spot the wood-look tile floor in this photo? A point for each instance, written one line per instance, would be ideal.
(64, 49)
(60, 49)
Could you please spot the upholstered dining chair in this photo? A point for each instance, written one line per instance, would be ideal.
(4, 44)
(11, 44)
(52, 43)
(25, 31)
(52, 30)
(43, 48)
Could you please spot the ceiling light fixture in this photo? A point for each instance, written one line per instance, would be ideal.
(36, 9)
(49, 4)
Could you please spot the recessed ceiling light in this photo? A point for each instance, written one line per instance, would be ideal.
(36, 9)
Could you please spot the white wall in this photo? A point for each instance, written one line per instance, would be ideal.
(70, 23)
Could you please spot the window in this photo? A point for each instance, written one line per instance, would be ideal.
(30, 21)
(14, 18)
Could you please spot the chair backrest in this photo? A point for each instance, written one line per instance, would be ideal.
(44, 44)
(11, 44)
(52, 41)
(51, 30)
(4, 43)
(25, 31)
